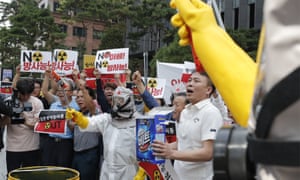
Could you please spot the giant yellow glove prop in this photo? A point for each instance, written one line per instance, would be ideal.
(77, 117)
(230, 68)
(140, 175)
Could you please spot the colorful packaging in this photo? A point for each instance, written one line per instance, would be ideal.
(149, 128)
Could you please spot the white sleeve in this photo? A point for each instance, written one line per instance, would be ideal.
(98, 123)
(211, 125)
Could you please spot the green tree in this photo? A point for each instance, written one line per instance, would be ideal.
(113, 13)
(247, 39)
(30, 27)
(172, 53)
(151, 17)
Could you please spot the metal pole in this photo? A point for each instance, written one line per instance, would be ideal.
(145, 54)
(215, 8)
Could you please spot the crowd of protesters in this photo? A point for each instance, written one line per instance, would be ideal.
(86, 151)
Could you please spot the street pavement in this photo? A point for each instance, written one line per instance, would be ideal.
(3, 161)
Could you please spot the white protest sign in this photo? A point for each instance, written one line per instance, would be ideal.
(112, 61)
(35, 61)
(156, 86)
(64, 61)
(172, 73)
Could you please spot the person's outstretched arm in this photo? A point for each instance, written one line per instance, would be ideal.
(232, 71)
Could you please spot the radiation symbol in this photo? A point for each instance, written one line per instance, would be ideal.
(37, 56)
(47, 125)
(62, 56)
(152, 83)
(105, 63)
(156, 175)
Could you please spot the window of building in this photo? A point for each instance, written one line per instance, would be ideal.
(251, 1)
(223, 16)
(236, 18)
(63, 28)
(94, 51)
(251, 15)
(79, 31)
(55, 6)
(221, 5)
(97, 34)
(236, 4)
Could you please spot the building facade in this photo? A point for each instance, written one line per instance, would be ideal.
(86, 34)
(236, 14)
(241, 14)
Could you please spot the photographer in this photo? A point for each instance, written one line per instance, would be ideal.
(5, 111)
(22, 142)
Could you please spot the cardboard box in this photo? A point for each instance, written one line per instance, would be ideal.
(150, 127)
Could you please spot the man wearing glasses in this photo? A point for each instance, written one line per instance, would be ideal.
(57, 150)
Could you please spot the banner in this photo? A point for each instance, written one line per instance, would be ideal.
(64, 61)
(176, 76)
(156, 86)
(91, 82)
(35, 61)
(112, 61)
(88, 65)
(5, 89)
(51, 122)
(7, 73)
(171, 72)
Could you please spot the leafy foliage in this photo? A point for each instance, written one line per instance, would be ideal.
(247, 39)
(113, 37)
(172, 53)
(29, 27)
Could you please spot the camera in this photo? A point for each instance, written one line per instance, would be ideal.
(231, 156)
(17, 107)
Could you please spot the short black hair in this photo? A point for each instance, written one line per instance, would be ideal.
(25, 86)
(91, 92)
(110, 85)
(38, 81)
(209, 81)
(183, 94)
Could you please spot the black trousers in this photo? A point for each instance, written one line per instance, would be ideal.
(56, 151)
(15, 160)
(1, 137)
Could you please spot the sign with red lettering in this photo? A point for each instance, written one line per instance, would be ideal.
(91, 82)
(156, 86)
(112, 61)
(5, 89)
(51, 122)
(35, 61)
(176, 76)
(64, 61)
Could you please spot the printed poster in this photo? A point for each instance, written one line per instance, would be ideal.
(51, 122)
(35, 61)
(112, 61)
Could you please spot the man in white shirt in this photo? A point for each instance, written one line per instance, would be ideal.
(196, 131)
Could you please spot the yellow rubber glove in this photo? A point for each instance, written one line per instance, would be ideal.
(77, 117)
(140, 175)
(232, 71)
